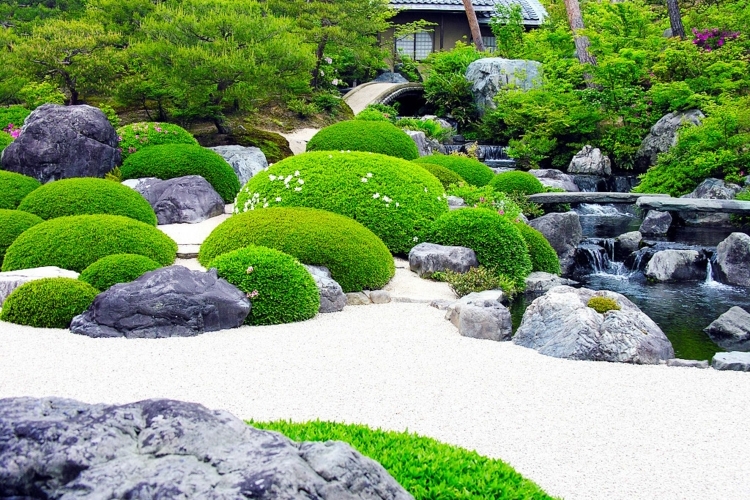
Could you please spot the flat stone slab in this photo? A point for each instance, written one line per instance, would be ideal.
(703, 205)
(592, 197)
(735, 361)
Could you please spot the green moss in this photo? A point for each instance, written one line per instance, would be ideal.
(48, 302)
(14, 188)
(473, 171)
(273, 145)
(517, 182)
(543, 256)
(87, 196)
(280, 289)
(138, 136)
(358, 260)
(178, 160)
(12, 224)
(365, 135)
(603, 304)
(445, 175)
(76, 242)
(117, 268)
(13, 114)
(394, 198)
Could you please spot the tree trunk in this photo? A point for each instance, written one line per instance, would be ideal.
(476, 34)
(675, 19)
(318, 62)
(221, 125)
(576, 23)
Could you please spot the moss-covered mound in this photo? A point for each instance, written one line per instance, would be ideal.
(117, 268)
(495, 239)
(517, 182)
(363, 135)
(87, 196)
(280, 289)
(138, 136)
(471, 170)
(394, 198)
(13, 114)
(12, 224)
(445, 175)
(358, 260)
(603, 304)
(14, 188)
(5, 140)
(76, 242)
(48, 302)
(178, 160)
(273, 145)
(543, 256)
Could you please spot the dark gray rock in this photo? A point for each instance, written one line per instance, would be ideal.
(590, 161)
(169, 302)
(455, 202)
(733, 260)
(663, 136)
(656, 223)
(481, 315)
(555, 178)
(677, 265)
(182, 200)
(420, 139)
(731, 330)
(428, 258)
(734, 361)
(627, 243)
(491, 74)
(390, 77)
(561, 324)
(245, 161)
(590, 183)
(687, 363)
(713, 189)
(540, 282)
(164, 449)
(564, 233)
(59, 142)
(332, 297)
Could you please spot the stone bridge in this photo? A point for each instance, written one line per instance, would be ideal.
(379, 93)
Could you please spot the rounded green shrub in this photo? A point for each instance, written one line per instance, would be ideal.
(117, 268)
(76, 242)
(177, 160)
(471, 170)
(358, 260)
(445, 175)
(517, 182)
(394, 198)
(138, 136)
(495, 239)
(13, 114)
(14, 188)
(365, 135)
(280, 289)
(48, 302)
(12, 224)
(87, 196)
(543, 256)
(603, 304)
(5, 140)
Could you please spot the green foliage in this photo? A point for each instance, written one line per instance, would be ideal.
(373, 115)
(13, 114)
(137, 136)
(48, 302)
(426, 468)
(87, 196)
(34, 95)
(357, 259)
(280, 289)
(117, 268)
(378, 112)
(364, 135)
(486, 197)
(14, 188)
(517, 182)
(496, 240)
(446, 176)
(273, 145)
(603, 304)
(472, 170)
(76, 242)
(476, 279)
(177, 160)
(543, 256)
(5, 140)
(12, 224)
(394, 198)
(111, 115)
(507, 26)
(431, 128)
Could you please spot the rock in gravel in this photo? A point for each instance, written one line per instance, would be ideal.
(181, 200)
(169, 302)
(332, 297)
(564, 233)
(164, 449)
(481, 315)
(590, 161)
(561, 324)
(677, 265)
(687, 363)
(540, 282)
(734, 361)
(10, 280)
(733, 259)
(627, 243)
(731, 330)
(428, 258)
(245, 161)
(656, 223)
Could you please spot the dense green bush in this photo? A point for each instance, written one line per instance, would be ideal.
(13, 114)
(87, 196)
(543, 256)
(476, 279)
(472, 170)
(76, 242)
(280, 289)
(394, 198)
(48, 302)
(603, 304)
(358, 260)
(177, 160)
(138, 136)
(425, 467)
(517, 182)
(5, 140)
(12, 224)
(117, 268)
(486, 197)
(446, 176)
(365, 135)
(14, 188)
(496, 240)
(431, 128)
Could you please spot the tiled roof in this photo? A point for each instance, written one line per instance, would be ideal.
(532, 11)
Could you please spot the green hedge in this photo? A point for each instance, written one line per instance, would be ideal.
(426, 468)
(13, 114)
(87, 196)
(138, 136)
(364, 135)
(495, 239)
(445, 175)
(117, 268)
(473, 171)
(280, 289)
(5, 140)
(543, 256)
(48, 302)
(358, 260)
(394, 198)
(76, 242)
(517, 182)
(12, 224)
(14, 188)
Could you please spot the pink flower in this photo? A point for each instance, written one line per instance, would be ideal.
(252, 294)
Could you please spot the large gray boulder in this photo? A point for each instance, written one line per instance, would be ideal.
(712, 189)
(426, 259)
(627, 243)
(731, 330)
(59, 142)
(733, 259)
(332, 296)
(182, 200)
(481, 315)
(245, 161)
(734, 361)
(551, 177)
(663, 136)
(540, 282)
(491, 74)
(420, 139)
(164, 449)
(561, 324)
(590, 161)
(169, 302)
(677, 265)
(564, 233)
(656, 223)
(10, 280)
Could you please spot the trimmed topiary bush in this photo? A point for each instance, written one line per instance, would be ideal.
(5, 140)
(517, 182)
(603, 304)
(358, 260)
(543, 256)
(48, 302)
(280, 289)
(13, 114)
(138, 136)
(394, 198)
(74, 243)
(117, 268)
(12, 224)
(445, 175)
(87, 196)
(471, 170)
(365, 135)
(14, 188)
(178, 160)
(495, 239)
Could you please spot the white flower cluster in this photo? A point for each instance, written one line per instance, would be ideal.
(251, 203)
(287, 180)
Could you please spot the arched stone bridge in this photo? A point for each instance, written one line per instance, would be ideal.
(379, 93)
